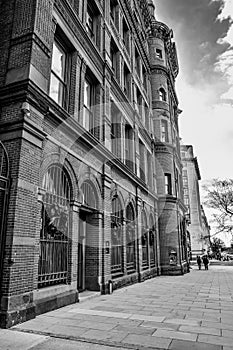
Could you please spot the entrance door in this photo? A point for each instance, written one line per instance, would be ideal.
(82, 251)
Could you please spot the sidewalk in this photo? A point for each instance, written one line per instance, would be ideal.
(190, 312)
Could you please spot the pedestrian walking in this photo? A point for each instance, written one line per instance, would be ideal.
(199, 262)
(205, 261)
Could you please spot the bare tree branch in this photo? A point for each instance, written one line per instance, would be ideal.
(219, 196)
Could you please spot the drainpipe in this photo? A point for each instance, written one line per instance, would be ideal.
(138, 266)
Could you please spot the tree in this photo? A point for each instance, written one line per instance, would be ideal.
(219, 196)
(216, 245)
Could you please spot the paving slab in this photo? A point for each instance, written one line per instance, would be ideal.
(10, 340)
(200, 330)
(64, 344)
(147, 341)
(213, 339)
(188, 345)
(193, 311)
(164, 333)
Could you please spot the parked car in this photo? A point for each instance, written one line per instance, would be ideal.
(227, 256)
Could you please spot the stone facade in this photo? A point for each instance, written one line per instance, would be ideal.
(89, 122)
(198, 227)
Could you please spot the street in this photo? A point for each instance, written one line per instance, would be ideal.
(193, 311)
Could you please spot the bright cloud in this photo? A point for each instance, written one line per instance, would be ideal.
(203, 31)
(224, 63)
(227, 10)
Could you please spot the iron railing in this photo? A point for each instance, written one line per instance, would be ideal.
(52, 262)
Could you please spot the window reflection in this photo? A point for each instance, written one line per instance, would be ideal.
(58, 74)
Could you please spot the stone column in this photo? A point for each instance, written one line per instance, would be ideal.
(73, 249)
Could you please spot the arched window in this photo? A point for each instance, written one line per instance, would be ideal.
(116, 236)
(152, 241)
(89, 196)
(130, 239)
(162, 94)
(145, 245)
(53, 259)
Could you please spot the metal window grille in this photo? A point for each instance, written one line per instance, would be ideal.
(116, 233)
(152, 241)
(145, 254)
(54, 235)
(130, 240)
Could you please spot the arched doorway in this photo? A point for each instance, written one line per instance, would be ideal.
(54, 234)
(144, 237)
(88, 238)
(4, 185)
(130, 239)
(117, 262)
(152, 241)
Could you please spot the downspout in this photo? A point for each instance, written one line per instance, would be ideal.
(138, 266)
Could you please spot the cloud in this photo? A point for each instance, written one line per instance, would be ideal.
(224, 63)
(202, 29)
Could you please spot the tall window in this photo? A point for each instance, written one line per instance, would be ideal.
(130, 239)
(92, 22)
(149, 169)
(137, 63)
(116, 131)
(58, 81)
(88, 118)
(177, 185)
(168, 184)
(116, 234)
(126, 35)
(54, 234)
(164, 131)
(144, 74)
(129, 147)
(162, 95)
(142, 160)
(114, 53)
(113, 10)
(152, 241)
(144, 235)
(126, 81)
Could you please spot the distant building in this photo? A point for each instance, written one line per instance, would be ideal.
(91, 186)
(198, 228)
(205, 232)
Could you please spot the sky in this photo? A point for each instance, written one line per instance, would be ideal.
(203, 32)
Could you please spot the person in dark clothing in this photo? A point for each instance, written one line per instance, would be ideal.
(199, 262)
(205, 261)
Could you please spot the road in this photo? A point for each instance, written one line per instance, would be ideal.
(189, 312)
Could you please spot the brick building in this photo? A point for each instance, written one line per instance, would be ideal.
(198, 227)
(91, 179)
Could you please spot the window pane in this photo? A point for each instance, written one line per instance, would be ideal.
(90, 23)
(87, 94)
(56, 89)
(58, 61)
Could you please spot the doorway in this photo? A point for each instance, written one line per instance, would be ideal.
(82, 251)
